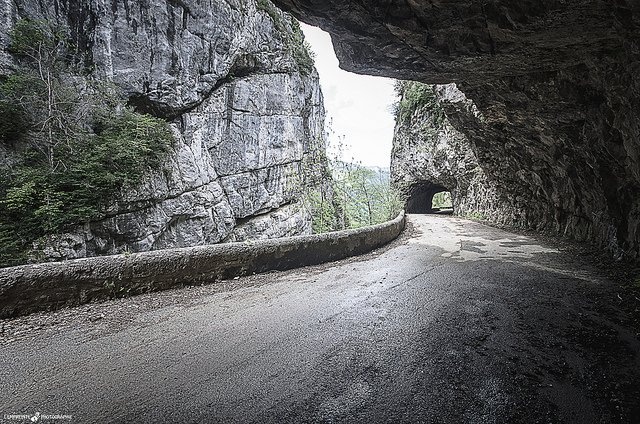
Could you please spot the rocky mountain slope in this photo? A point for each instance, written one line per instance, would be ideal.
(556, 90)
(242, 97)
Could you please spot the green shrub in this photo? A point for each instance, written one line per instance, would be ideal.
(273, 12)
(74, 151)
(359, 196)
(14, 122)
(299, 49)
(37, 40)
(323, 209)
(477, 216)
(36, 200)
(442, 200)
(414, 96)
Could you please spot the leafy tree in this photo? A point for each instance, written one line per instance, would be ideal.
(366, 195)
(42, 100)
(36, 200)
(74, 147)
(415, 95)
(301, 49)
(442, 200)
(347, 195)
(323, 210)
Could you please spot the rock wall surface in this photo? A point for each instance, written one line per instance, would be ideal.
(245, 111)
(555, 86)
(430, 155)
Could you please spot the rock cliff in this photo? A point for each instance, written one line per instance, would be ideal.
(242, 98)
(430, 155)
(556, 133)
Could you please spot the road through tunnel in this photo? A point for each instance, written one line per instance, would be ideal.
(420, 198)
(548, 114)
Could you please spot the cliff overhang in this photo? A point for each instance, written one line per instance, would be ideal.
(556, 90)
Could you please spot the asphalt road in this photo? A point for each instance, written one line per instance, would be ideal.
(456, 322)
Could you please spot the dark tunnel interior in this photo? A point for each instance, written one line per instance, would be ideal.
(420, 198)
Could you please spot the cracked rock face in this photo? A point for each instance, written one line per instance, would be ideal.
(556, 88)
(430, 155)
(245, 117)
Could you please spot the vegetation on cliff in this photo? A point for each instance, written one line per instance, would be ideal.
(365, 193)
(73, 145)
(299, 48)
(414, 96)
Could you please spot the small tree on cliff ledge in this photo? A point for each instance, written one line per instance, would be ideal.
(42, 101)
(72, 146)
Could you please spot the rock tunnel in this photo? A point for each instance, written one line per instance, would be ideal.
(420, 197)
(553, 125)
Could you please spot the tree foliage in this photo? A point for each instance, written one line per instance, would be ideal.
(365, 195)
(273, 12)
(344, 195)
(75, 147)
(301, 49)
(41, 101)
(414, 96)
(442, 200)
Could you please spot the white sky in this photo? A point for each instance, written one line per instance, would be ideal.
(358, 107)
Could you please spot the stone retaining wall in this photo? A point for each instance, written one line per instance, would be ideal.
(48, 286)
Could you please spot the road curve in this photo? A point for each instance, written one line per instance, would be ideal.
(456, 322)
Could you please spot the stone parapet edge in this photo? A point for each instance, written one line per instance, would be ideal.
(49, 286)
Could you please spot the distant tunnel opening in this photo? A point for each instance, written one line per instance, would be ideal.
(442, 201)
(429, 198)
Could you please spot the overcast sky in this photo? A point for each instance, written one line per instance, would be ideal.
(358, 107)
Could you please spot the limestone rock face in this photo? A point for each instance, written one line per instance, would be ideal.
(556, 87)
(245, 112)
(430, 155)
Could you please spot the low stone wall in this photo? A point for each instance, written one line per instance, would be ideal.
(30, 288)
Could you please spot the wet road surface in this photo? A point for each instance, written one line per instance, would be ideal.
(456, 322)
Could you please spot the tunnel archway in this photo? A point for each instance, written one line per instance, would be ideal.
(420, 197)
